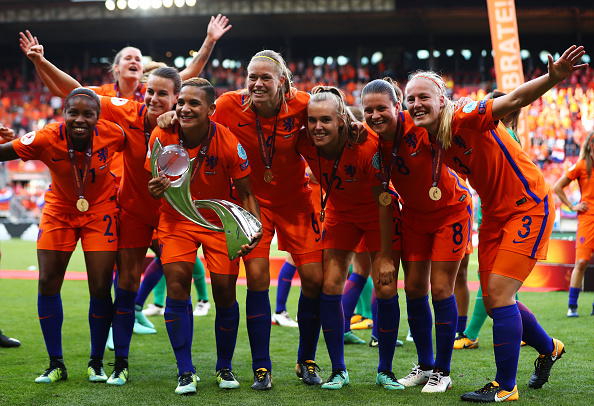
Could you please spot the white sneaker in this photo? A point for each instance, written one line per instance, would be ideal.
(438, 383)
(153, 310)
(409, 336)
(202, 308)
(283, 319)
(416, 377)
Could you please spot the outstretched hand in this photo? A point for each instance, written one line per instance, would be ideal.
(218, 27)
(563, 67)
(7, 134)
(31, 46)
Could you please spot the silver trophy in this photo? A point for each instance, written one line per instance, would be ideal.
(239, 225)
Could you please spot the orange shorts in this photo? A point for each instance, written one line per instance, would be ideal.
(440, 239)
(179, 242)
(358, 237)
(135, 233)
(584, 240)
(524, 233)
(60, 231)
(297, 229)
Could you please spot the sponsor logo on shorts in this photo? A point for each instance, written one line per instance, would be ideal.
(518, 242)
(454, 250)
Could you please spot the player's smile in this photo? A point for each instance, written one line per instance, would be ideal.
(81, 117)
(380, 114)
(263, 83)
(424, 104)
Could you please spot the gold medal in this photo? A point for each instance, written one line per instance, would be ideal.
(435, 193)
(385, 199)
(322, 215)
(82, 205)
(268, 175)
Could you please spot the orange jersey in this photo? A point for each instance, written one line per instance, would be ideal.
(49, 145)
(133, 195)
(350, 198)
(225, 160)
(579, 172)
(287, 166)
(111, 90)
(411, 175)
(502, 174)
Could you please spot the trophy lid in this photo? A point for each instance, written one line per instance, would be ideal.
(173, 160)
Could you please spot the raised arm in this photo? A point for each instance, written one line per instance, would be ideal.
(216, 28)
(526, 93)
(58, 82)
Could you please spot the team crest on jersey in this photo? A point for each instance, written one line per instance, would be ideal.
(241, 151)
(28, 138)
(102, 154)
(376, 161)
(411, 140)
(459, 141)
(212, 161)
(289, 124)
(350, 170)
(469, 107)
(118, 101)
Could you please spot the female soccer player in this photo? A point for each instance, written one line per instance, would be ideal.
(350, 175)
(584, 240)
(435, 230)
(81, 203)
(219, 158)
(515, 201)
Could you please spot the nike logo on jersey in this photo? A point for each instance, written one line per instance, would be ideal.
(57, 159)
(242, 125)
(133, 127)
(456, 250)
(110, 241)
(518, 242)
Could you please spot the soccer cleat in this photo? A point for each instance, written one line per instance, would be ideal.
(55, 372)
(399, 343)
(364, 324)
(490, 393)
(226, 379)
(356, 318)
(202, 308)
(388, 381)
(262, 379)
(351, 338)
(140, 329)
(437, 383)
(416, 377)
(109, 343)
(283, 319)
(572, 311)
(140, 317)
(186, 383)
(308, 372)
(409, 337)
(95, 371)
(120, 374)
(373, 342)
(154, 310)
(338, 379)
(462, 342)
(543, 365)
(7, 342)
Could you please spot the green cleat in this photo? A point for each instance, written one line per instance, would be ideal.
(140, 317)
(338, 379)
(55, 372)
(226, 379)
(120, 374)
(186, 383)
(351, 338)
(95, 371)
(388, 381)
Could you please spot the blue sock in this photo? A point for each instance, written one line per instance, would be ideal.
(226, 326)
(100, 316)
(123, 321)
(191, 316)
(152, 276)
(374, 329)
(332, 317)
(533, 334)
(507, 336)
(574, 293)
(352, 290)
(446, 316)
(308, 315)
(257, 308)
(388, 319)
(420, 322)
(461, 324)
(285, 278)
(177, 321)
(51, 317)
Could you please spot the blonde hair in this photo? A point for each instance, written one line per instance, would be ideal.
(287, 92)
(148, 68)
(444, 134)
(324, 93)
(586, 153)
